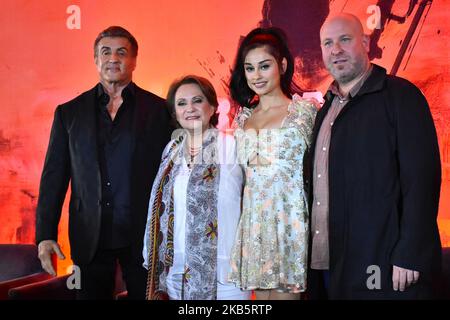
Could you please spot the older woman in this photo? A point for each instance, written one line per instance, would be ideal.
(195, 202)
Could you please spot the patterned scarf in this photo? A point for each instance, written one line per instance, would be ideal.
(200, 275)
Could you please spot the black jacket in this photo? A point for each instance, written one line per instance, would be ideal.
(72, 156)
(384, 185)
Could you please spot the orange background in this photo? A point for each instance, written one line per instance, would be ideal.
(43, 64)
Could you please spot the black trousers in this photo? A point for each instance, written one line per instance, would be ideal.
(318, 281)
(318, 289)
(98, 277)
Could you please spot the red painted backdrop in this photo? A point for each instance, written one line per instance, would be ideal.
(47, 59)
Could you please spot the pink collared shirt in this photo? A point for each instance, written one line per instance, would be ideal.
(319, 214)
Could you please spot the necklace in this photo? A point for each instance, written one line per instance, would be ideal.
(193, 153)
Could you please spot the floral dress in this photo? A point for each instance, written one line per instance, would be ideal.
(270, 250)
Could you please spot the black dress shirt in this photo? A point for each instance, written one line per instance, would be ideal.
(115, 140)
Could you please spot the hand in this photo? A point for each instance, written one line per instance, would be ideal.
(403, 278)
(45, 250)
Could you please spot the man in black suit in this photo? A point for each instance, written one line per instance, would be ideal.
(107, 142)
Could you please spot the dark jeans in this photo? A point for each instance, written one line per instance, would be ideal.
(98, 277)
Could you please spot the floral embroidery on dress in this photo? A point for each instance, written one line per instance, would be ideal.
(270, 250)
(243, 114)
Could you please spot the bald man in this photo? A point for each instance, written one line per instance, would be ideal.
(375, 178)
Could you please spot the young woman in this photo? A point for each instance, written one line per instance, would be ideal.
(195, 202)
(273, 134)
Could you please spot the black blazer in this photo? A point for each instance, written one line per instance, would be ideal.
(72, 156)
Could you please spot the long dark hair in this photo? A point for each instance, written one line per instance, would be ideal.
(276, 42)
